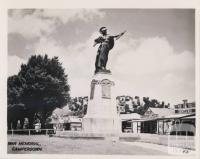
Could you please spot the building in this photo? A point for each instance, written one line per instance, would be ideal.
(74, 123)
(63, 119)
(147, 123)
(153, 121)
(126, 124)
(150, 122)
(156, 121)
(185, 107)
(71, 123)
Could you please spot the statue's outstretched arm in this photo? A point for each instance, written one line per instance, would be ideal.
(119, 35)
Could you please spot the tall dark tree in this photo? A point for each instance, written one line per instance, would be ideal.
(43, 87)
(16, 110)
(15, 89)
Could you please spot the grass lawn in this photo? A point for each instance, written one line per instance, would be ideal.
(57, 145)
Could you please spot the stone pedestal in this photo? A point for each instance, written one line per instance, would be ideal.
(102, 114)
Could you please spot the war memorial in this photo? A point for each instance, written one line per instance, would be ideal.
(101, 119)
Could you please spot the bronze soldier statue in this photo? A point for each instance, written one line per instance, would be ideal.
(106, 42)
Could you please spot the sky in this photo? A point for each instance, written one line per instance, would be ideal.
(154, 58)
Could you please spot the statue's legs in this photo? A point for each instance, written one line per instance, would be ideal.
(104, 55)
(106, 59)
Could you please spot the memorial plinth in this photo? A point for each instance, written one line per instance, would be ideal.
(101, 116)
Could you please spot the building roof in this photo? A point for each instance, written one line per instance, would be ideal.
(132, 116)
(175, 116)
(156, 113)
(161, 112)
(62, 111)
(66, 119)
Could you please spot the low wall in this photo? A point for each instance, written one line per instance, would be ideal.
(88, 135)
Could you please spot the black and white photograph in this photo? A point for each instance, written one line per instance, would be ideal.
(118, 81)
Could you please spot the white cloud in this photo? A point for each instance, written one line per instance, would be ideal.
(30, 25)
(44, 22)
(73, 14)
(152, 55)
(14, 64)
(151, 67)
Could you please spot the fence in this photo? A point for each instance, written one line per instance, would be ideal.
(31, 132)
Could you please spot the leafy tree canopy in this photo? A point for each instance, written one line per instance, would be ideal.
(41, 85)
(139, 107)
(78, 105)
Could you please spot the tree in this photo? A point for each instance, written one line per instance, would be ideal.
(154, 103)
(78, 106)
(138, 100)
(15, 88)
(43, 87)
(147, 103)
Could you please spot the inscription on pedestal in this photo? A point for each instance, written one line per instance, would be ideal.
(106, 91)
(106, 88)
